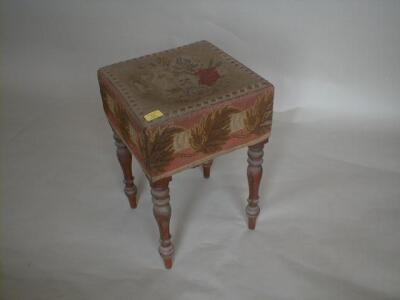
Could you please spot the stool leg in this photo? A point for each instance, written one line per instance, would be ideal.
(254, 172)
(125, 160)
(162, 213)
(207, 168)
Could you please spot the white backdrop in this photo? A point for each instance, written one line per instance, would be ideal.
(329, 227)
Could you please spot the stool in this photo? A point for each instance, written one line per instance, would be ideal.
(182, 108)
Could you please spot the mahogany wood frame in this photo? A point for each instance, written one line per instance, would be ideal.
(161, 197)
(125, 160)
(207, 168)
(162, 213)
(255, 155)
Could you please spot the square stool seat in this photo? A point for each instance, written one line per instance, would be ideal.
(181, 108)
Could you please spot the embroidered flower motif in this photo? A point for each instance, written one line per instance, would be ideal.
(180, 79)
(208, 76)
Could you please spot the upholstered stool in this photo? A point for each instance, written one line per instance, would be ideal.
(182, 108)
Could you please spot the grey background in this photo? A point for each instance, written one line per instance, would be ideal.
(329, 226)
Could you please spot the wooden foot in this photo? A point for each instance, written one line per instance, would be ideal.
(125, 160)
(162, 213)
(254, 173)
(207, 168)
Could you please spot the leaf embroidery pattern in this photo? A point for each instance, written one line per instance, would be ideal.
(157, 147)
(259, 117)
(212, 132)
(123, 122)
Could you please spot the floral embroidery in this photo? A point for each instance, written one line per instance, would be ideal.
(210, 75)
(179, 80)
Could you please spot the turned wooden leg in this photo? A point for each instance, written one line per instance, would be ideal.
(162, 213)
(254, 173)
(125, 160)
(206, 168)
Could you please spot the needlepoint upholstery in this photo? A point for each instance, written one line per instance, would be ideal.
(181, 107)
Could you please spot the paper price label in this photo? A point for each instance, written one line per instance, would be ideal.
(153, 115)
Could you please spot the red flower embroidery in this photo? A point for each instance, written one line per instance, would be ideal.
(208, 76)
